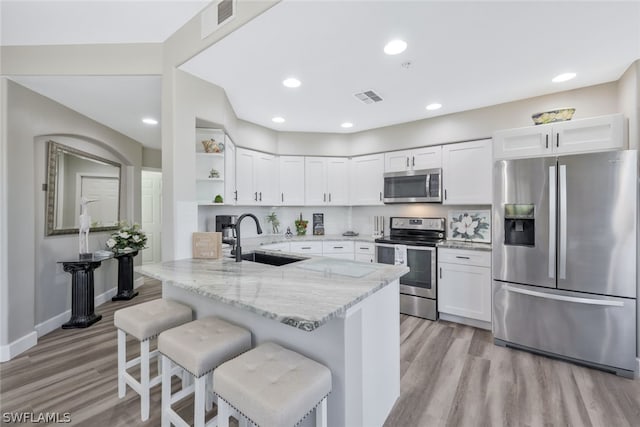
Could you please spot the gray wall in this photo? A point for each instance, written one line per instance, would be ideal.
(37, 287)
(151, 158)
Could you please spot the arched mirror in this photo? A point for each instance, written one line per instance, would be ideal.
(72, 174)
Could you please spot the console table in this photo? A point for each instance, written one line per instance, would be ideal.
(82, 293)
(125, 276)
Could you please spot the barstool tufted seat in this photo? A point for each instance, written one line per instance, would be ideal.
(148, 319)
(202, 345)
(271, 385)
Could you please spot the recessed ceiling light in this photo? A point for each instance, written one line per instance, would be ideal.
(395, 47)
(278, 120)
(434, 106)
(149, 121)
(563, 77)
(291, 82)
(347, 125)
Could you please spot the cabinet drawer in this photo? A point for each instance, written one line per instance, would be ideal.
(465, 257)
(365, 248)
(339, 256)
(364, 257)
(277, 246)
(307, 247)
(337, 247)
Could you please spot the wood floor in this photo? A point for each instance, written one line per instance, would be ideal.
(452, 375)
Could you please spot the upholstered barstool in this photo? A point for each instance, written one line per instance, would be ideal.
(144, 322)
(272, 386)
(198, 347)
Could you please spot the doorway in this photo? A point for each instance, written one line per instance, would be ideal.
(152, 215)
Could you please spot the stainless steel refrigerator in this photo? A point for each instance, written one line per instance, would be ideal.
(564, 257)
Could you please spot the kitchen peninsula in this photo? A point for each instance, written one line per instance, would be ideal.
(343, 314)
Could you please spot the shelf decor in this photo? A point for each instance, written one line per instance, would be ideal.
(301, 226)
(129, 238)
(469, 226)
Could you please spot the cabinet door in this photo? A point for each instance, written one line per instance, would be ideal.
(229, 172)
(397, 161)
(266, 178)
(465, 291)
(364, 258)
(426, 158)
(367, 180)
(291, 180)
(338, 180)
(532, 141)
(466, 173)
(596, 134)
(315, 179)
(247, 195)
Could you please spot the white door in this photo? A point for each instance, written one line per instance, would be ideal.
(466, 173)
(152, 215)
(266, 178)
(315, 180)
(247, 195)
(397, 161)
(291, 180)
(338, 180)
(426, 158)
(104, 190)
(517, 143)
(367, 181)
(465, 290)
(595, 134)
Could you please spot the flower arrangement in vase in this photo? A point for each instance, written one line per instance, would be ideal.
(301, 226)
(129, 238)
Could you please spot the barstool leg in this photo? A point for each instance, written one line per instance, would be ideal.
(210, 396)
(321, 414)
(122, 360)
(166, 390)
(144, 380)
(243, 422)
(199, 400)
(223, 413)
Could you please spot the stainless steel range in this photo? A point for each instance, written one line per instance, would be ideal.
(412, 242)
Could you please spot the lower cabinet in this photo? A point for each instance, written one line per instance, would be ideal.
(464, 284)
(365, 252)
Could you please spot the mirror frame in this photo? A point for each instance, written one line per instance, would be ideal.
(54, 148)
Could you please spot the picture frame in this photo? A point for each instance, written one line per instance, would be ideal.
(469, 225)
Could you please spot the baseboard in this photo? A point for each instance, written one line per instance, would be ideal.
(57, 321)
(138, 282)
(9, 351)
(465, 321)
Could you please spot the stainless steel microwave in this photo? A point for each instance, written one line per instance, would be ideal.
(413, 186)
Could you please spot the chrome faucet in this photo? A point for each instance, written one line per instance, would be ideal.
(237, 227)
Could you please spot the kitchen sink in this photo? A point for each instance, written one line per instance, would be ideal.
(271, 259)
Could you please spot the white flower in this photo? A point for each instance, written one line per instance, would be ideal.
(136, 238)
(111, 243)
(466, 226)
(124, 234)
(127, 249)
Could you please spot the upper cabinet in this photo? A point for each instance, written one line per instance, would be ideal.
(570, 137)
(326, 180)
(419, 158)
(210, 151)
(291, 180)
(366, 179)
(467, 173)
(256, 178)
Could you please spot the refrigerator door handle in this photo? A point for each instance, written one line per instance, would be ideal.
(562, 261)
(552, 222)
(565, 298)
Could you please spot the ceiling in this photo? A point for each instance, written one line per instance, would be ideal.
(463, 55)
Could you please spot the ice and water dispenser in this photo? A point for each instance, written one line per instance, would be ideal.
(519, 225)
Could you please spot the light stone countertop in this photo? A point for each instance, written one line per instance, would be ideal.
(303, 294)
(256, 242)
(472, 246)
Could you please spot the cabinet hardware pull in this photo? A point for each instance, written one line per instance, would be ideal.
(329, 197)
(381, 196)
(546, 142)
(462, 257)
(445, 194)
(365, 248)
(441, 272)
(558, 139)
(261, 196)
(407, 161)
(324, 197)
(236, 196)
(282, 195)
(338, 247)
(255, 196)
(305, 247)
(413, 160)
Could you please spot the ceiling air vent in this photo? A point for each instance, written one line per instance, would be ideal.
(368, 97)
(216, 15)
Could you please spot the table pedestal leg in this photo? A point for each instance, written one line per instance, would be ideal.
(82, 296)
(125, 277)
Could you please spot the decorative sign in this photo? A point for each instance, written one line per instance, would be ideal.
(318, 224)
(207, 245)
(469, 226)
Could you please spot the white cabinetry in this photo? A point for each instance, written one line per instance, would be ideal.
(365, 251)
(278, 247)
(367, 180)
(230, 172)
(343, 249)
(326, 180)
(417, 159)
(311, 248)
(574, 136)
(291, 180)
(467, 169)
(210, 167)
(256, 177)
(464, 285)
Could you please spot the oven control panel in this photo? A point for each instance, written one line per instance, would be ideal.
(409, 223)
